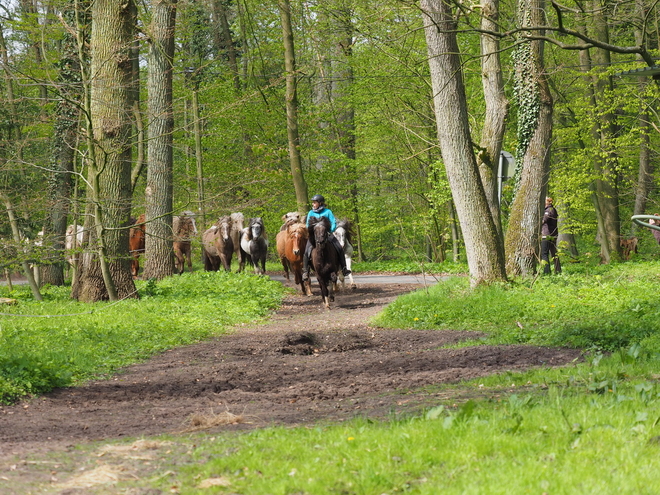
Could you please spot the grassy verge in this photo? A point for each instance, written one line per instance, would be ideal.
(60, 341)
(606, 309)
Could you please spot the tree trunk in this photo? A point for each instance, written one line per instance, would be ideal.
(63, 146)
(107, 275)
(606, 178)
(497, 107)
(645, 169)
(299, 184)
(159, 261)
(534, 135)
(483, 246)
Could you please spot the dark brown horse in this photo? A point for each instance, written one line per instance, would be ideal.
(324, 258)
(217, 246)
(184, 230)
(136, 239)
(291, 244)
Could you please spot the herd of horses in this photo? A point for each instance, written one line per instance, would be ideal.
(229, 238)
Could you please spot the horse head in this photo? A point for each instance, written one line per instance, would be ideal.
(256, 227)
(319, 229)
(344, 232)
(298, 234)
(224, 227)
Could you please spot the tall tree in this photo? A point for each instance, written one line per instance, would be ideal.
(107, 275)
(67, 116)
(158, 246)
(497, 107)
(291, 98)
(483, 246)
(533, 154)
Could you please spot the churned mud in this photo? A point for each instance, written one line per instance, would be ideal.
(304, 365)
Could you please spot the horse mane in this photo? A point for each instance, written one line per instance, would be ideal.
(221, 220)
(295, 226)
(312, 223)
(237, 219)
(348, 228)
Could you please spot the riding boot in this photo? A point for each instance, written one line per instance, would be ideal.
(308, 252)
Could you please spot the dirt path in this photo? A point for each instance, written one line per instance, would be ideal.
(305, 365)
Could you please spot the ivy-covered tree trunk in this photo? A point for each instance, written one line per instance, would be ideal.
(533, 154)
(497, 107)
(299, 184)
(159, 261)
(483, 247)
(109, 174)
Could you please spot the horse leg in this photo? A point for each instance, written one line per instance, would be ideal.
(349, 263)
(285, 264)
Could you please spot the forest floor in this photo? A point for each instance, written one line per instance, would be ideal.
(304, 365)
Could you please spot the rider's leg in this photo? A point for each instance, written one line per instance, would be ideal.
(308, 253)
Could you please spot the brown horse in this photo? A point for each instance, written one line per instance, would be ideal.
(184, 230)
(217, 246)
(324, 258)
(237, 220)
(136, 239)
(291, 248)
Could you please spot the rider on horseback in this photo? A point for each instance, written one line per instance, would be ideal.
(320, 210)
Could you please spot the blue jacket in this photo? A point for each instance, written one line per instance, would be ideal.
(324, 212)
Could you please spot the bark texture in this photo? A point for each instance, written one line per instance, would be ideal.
(110, 173)
(484, 253)
(534, 133)
(159, 256)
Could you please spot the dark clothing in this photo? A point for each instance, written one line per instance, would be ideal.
(549, 226)
(549, 234)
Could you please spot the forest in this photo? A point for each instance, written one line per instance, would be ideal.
(400, 113)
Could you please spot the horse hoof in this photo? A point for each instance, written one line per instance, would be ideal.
(353, 286)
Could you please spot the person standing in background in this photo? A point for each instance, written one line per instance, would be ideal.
(549, 234)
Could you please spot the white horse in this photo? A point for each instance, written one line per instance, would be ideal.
(343, 235)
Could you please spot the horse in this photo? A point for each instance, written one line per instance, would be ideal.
(184, 230)
(289, 218)
(324, 258)
(237, 220)
(254, 244)
(291, 245)
(217, 246)
(136, 239)
(343, 233)
(73, 240)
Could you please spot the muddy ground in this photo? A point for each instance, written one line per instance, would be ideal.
(305, 365)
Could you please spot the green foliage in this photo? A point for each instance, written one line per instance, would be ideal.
(78, 341)
(612, 307)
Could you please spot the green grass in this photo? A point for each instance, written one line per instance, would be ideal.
(60, 341)
(616, 307)
(589, 428)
